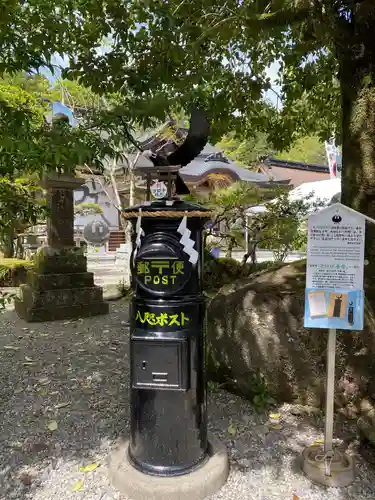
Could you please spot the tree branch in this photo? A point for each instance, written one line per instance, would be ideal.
(103, 187)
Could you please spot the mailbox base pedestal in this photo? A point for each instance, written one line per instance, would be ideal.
(201, 483)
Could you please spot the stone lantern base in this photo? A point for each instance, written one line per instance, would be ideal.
(60, 287)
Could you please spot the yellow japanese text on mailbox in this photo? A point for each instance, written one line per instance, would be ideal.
(160, 272)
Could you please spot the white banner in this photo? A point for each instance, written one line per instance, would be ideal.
(334, 160)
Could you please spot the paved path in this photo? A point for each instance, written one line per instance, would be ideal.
(64, 401)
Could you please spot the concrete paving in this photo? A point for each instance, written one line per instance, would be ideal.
(64, 398)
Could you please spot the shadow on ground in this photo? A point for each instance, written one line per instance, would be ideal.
(64, 403)
(69, 374)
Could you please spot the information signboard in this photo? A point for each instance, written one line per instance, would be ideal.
(334, 274)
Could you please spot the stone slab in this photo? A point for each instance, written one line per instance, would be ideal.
(59, 287)
(61, 297)
(60, 264)
(59, 313)
(53, 180)
(56, 281)
(197, 485)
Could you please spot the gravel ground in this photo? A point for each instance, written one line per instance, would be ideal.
(64, 402)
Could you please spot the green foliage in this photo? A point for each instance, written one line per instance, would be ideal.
(248, 151)
(308, 149)
(19, 202)
(87, 208)
(21, 117)
(230, 205)
(75, 95)
(29, 144)
(224, 270)
(14, 271)
(35, 84)
(189, 53)
(190, 45)
(261, 397)
(220, 272)
(6, 298)
(282, 226)
(239, 193)
(163, 56)
(14, 264)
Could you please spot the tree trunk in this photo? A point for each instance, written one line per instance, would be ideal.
(358, 144)
(230, 247)
(357, 81)
(128, 230)
(7, 243)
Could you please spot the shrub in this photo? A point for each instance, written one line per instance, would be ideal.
(124, 289)
(220, 272)
(13, 272)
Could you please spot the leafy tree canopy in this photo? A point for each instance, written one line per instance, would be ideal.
(28, 143)
(75, 95)
(308, 149)
(217, 53)
(247, 151)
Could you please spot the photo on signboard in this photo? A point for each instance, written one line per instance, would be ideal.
(337, 305)
(317, 303)
(333, 308)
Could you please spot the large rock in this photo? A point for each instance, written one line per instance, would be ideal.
(257, 342)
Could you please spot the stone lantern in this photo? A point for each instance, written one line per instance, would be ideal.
(59, 286)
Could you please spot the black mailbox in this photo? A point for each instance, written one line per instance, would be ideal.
(168, 386)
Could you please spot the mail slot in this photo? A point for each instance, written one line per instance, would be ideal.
(160, 364)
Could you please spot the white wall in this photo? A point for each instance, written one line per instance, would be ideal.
(93, 192)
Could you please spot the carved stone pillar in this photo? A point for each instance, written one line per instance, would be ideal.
(60, 224)
(59, 287)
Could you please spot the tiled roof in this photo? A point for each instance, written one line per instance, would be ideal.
(203, 165)
(311, 167)
(291, 172)
(199, 168)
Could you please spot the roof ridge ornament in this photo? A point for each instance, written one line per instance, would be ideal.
(166, 165)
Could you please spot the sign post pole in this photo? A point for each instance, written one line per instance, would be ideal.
(330, 397)
(334, 300)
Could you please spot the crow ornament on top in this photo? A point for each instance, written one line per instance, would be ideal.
(168, 160)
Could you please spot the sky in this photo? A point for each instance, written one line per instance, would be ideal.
(59, 62)
(272, 73)
(270, 95)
